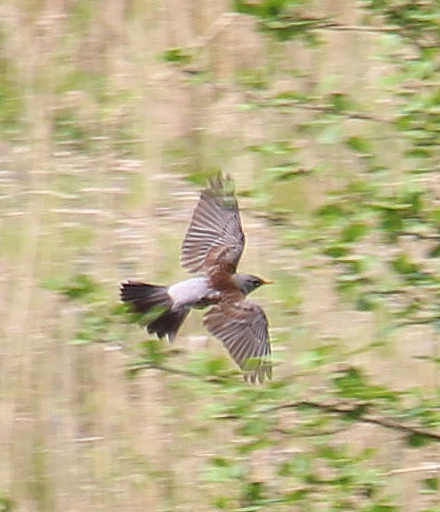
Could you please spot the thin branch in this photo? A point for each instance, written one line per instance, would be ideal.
(363, 418)
(333, 25)
(215, 379)
(419, 321)
(344, 410)
(420, 236)
(430, 467)
(350, 115)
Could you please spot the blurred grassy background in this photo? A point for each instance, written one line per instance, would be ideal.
(112, 115)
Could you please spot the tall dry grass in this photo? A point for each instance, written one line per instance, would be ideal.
(97, 131)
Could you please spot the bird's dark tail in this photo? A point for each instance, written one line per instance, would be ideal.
(145, 297)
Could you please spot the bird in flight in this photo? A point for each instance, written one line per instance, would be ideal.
(212, 249)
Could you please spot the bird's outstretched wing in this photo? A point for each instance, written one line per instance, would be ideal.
(214, 235)
(242, 327)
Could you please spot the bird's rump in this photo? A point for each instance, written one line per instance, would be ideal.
(151, 298)
(215, 233)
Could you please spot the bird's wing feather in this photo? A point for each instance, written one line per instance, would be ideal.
(215, 234)
(242, 327)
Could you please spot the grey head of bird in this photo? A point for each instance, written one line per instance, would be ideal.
(247, 282)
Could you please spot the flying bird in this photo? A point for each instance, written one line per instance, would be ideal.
(212, 249)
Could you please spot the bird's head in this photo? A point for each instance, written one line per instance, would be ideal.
(247, 282)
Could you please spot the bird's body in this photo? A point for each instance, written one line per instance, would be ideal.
(193, 292)
(212, 247)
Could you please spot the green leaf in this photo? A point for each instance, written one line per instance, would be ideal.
(244, 7)
(359, 144)
(6, 504)
(431, 484)
(153, 352)
(331, 213)
(435, 215)
(354, 231)
(380, 507)
(352, 383)
(297, 495)
(221, 469)
(292, 95)
(403, 265)
(392, 223)
(434, 252)
(367, 302)
(416, 440)
(79, 287)
(177, 55)
(339, 102)
(336, 251)
(252, 492)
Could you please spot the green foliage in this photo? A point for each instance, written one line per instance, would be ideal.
(359, 144)
(80, 287)
(351, 383)
(431, 484)
(151, 354)
(282, 18)
(265, 8)
(99, 322)
(416, 440)
(177, 56)
(6, 505)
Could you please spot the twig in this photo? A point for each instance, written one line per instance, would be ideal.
(347, 411)
(176, 371)
(333, 25)
(424, 467)
(364, 418)
(350, 115)
(420, 236)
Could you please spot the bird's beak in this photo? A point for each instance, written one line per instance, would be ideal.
(266, 281)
